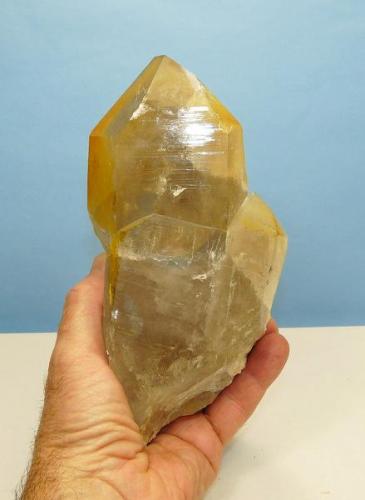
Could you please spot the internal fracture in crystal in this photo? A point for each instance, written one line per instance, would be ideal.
(193, 259)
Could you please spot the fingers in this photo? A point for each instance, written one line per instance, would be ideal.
(81, 323)
(238, 401)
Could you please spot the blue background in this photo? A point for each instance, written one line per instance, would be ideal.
(292, 71)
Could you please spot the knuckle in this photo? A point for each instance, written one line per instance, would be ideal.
(78, 291)
(60, 370)
(59, 362)
(56, 369)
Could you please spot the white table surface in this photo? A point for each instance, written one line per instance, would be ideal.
(306, 441)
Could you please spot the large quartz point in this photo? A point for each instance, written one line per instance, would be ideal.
(193, 259)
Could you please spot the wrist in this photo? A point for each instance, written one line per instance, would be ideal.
(54, 477)
(51, 477)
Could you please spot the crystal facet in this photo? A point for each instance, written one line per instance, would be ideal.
(193, 259)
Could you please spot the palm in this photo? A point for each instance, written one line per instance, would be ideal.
(93, 413)
(187, 449)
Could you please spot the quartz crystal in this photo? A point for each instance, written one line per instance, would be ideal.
(193, 258)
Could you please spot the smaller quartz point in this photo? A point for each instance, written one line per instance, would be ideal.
(193, 259)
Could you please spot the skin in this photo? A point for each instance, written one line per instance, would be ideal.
(88, 445)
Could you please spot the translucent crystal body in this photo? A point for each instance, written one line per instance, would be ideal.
(193, 260)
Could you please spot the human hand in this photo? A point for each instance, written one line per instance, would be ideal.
(88, 445)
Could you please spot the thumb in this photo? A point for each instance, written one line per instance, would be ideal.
(81, 322)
